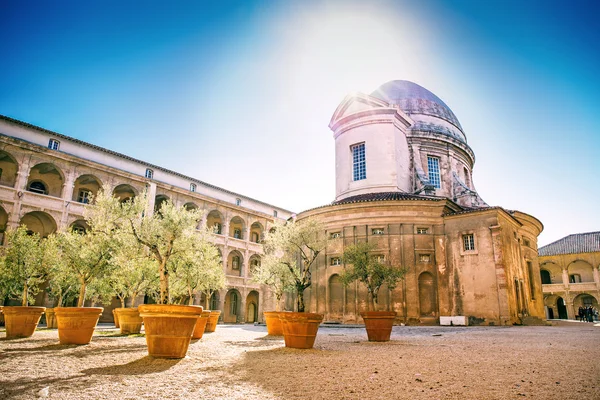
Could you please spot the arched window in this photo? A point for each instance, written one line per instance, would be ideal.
(546, 280)
(234, 303)
(37, 187)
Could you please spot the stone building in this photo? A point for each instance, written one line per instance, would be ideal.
(404, 181)
(570, 275)
(46, 180)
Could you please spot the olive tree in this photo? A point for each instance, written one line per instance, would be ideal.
(197, 272)
(297, 245)
(25, 263)
(366, 268)
(276, 275)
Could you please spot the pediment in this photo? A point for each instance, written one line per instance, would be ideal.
(355, 103)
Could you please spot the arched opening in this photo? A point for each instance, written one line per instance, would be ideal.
(582, 302)
(252, 307)
(580, 272)
(86, 187)
(336, 298)
(554, 271)
(45, 178)
(159, 201)
(79, 226)
(124, 193)
(39, 222)
(427, 295)
(3, 223)
(254, 264)
(190, 206)
(256, 232)
(234, 263)
(562, 309)
(8, 169)
(546, 279)
(236, 228)
(214, 221)
(214, 301)
(233, 306)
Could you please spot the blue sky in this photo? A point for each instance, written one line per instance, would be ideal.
(239, 94)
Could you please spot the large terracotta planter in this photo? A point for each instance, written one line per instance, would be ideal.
(129, 319)
(1, 316)
(21, 321)
(300, 329)
(115, 318)
(201, 325)
(274, 326)
(211, 324)
(50, 318)
(379, 325)
(76, 324)
(169, 328)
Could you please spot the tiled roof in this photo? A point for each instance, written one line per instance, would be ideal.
(572, 244)
(384, 196)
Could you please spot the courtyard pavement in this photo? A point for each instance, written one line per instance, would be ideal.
(243, 362)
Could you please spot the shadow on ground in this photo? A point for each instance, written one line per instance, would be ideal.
(142, 366)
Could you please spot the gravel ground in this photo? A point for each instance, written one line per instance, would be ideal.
(242, 362)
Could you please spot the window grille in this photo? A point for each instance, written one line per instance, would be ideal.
(336, 261)
(422, 231)
(469, 242)
(84, 196)
(424, 258)
(433, 169)
(335, 235)
(359, 163)
(53, 144)
(377, 231)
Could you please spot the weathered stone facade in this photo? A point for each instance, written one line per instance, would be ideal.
(46, 178)
(404, 182)
(570, 273)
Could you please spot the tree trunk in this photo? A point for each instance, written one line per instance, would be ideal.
(164, 283)
(300, 301)
(24, 302)
(122, 299)
(278, 304)
(82, 289)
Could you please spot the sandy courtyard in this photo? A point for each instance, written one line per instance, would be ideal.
(241, 362)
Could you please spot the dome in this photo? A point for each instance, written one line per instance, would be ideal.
(416, 100)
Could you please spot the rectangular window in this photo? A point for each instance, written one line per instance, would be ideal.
(192, 187)
(237, 233)
(424, 258)
(422, 231)
(359, 163)
(235, 263)
(469, 242)
(336, 261)
(433, 169)
(217, 228)
(149, 173)
(275, 213)
(53, 144)
(526, 242)
(335, 235)
(84, 196)
(377, 231)
(238, 202)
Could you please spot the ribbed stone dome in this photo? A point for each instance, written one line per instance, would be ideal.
(415, 100)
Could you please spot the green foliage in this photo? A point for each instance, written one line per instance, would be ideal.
(25, 263)
(275, 274)
(297, 245)
(197, 272)
(367, 269)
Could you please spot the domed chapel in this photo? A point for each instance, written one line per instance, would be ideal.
(404, 182)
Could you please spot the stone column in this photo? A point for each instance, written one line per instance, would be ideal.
(241, 317)
(151, 186)
(67, 188)
(222, 294)
(596, 276)
(565, 277)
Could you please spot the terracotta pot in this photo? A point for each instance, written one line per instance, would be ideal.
(50, 318)
(129, 319)
(169, 328)
(76, 324)
(274, 326)
(213, 318)
(379, 325)
(21, 321)
(300, 329)
(201, 325)
(1, 316)
(115, 318)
